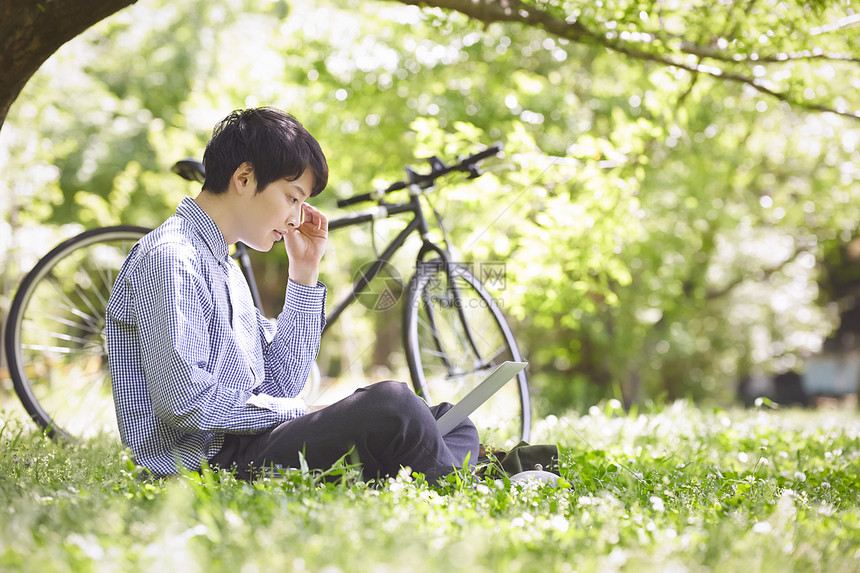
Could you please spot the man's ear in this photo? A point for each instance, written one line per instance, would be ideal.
(244, 178)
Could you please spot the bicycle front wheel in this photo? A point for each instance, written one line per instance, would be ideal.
(55, 343)
(454, 336)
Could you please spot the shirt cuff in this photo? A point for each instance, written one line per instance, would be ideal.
(303, 298)
(286, 408)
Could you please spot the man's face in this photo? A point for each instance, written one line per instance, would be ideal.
(276, 209)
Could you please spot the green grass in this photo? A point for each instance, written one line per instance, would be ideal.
(677, 489)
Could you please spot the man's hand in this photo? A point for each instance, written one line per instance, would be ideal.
(305, 245)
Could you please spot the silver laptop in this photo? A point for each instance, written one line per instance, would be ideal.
(479, 394)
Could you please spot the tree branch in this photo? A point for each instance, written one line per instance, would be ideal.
(755, 58)
(491, 11)
(764, 274)
(730, 76)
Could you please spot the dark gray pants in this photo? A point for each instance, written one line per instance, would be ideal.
(387, 424)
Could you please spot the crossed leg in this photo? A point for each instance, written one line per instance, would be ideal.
(386, 423)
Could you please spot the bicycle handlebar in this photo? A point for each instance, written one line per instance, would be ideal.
(425, 180)
(192, 170)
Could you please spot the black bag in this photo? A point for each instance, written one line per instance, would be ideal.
(523, 457)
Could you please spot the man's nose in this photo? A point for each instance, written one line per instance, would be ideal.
(293, 221)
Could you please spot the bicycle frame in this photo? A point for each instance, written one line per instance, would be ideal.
(417, 223)
(383, 210)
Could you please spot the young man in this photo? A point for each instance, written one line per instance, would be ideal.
(198, 374)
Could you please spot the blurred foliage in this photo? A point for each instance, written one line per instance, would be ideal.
(662, 226)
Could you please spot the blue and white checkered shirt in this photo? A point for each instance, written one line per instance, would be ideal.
(191, 358)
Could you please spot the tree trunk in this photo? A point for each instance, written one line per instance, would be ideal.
(32, 30)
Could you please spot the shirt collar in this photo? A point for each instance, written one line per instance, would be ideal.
(189, 210)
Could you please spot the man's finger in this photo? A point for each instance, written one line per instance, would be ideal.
(323, 220)
(315, 217)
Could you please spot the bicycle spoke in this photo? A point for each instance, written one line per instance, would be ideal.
(87, 301)
(102, 300)
(66, 337)
(462, 342)
(458, 305)
(73, 308)
(89, 347)
(435, 353)
(56, 349)
(96, 383)
(106, 271)
(89, 408)
(86, 328)
(443, 355)
(431, 327)
(442, 352)
(91, 321)
(99, 272)
(494, 359)
(109, 278)
(478, 369)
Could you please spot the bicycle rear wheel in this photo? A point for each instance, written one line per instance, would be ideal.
(454, 336)
(54, 339)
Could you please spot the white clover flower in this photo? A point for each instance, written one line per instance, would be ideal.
(559, 523)
(762, 527)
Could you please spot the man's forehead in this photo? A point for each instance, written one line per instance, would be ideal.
(304, 187)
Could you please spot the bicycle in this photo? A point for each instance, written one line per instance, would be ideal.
(453, 330)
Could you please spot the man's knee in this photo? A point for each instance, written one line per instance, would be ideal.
(389, 387)
(394, 404)
(394, 394)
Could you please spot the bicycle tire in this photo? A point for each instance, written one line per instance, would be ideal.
(454, 335)
(54, 335)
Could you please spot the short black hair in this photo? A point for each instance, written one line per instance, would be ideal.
(272, 141)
